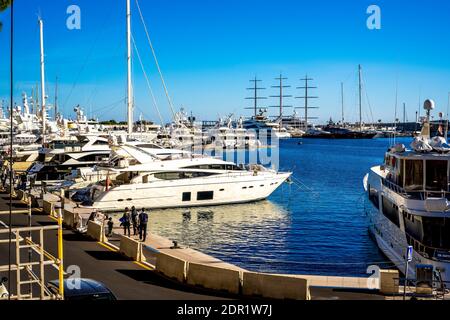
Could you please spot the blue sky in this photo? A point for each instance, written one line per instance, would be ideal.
(208, 50)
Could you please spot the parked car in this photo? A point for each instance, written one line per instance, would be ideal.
(85, 289)
(4, 294)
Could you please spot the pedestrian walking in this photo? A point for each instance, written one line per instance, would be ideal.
(143, 221)
(135, 220)
(110, 227)
(126, 222)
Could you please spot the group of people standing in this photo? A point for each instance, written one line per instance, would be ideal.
(139, 221)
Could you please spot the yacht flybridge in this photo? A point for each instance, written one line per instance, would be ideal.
(137, 178)
(410, 194)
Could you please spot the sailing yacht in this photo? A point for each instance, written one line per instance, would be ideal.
(263, 125)
(410, 194)
(141, 180)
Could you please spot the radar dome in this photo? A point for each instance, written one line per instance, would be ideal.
(428, 104)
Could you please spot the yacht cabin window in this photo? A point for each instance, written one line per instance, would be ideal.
(413, 175)
(182, 175)
(436, 175)
(436, 232)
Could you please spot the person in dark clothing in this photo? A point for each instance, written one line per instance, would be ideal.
(126, 222)
(110, 227)
(135, 220)
(143, 221)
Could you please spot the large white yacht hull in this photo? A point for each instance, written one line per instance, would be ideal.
(226, 189)
(390, 238)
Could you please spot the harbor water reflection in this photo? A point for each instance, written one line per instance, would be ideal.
(318, 227)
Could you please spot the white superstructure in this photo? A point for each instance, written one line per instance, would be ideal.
(142, 180)
(410, 194)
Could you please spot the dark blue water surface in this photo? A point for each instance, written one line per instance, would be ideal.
(317, 228)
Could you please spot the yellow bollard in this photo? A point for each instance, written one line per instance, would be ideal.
(60, 255)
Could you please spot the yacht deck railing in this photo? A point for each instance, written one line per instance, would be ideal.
(415, 195)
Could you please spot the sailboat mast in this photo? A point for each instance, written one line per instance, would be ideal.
(256, 97)
(360, 98)
(342, 100)
(56, 98)
(43, 104)
(281, 97)
(306, 97)
(129, 84)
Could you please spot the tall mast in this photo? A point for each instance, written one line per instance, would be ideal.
(281, 86)
(342, 98)
(307, 97)
(44, 98)
(360, 97)
(404, 116)
(129, 84)
(56, 98)
(255, 97)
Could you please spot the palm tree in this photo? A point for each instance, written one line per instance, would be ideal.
(3, 5)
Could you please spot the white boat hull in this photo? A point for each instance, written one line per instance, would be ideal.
(225, 189)
(391, 239)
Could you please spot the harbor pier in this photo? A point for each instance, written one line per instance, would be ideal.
(162, 269)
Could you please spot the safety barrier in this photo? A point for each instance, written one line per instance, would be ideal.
(48, 207)
(95, 231)
(34, 201)
(214, 278)
(20, 195)
(275, 286)
(389, 281)
(171, 266)
(69, 218)
(131, 249)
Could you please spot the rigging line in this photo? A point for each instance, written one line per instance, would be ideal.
(111, 107)
(148, 82)
(114, 104)
(97, 38)
(367, 97)
(156, 61)
(142, 111)
(11, 147)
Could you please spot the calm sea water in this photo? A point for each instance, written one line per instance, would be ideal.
(319, 228)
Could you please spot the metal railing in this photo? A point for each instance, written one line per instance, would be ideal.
(31, 275)
(427, 251)
(413, 289)
(415, 195)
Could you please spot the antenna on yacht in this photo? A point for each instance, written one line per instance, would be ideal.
(44, 98)
(281, 96)
(306, 97)
(255, 97)
(428, 106)
(129, 83)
